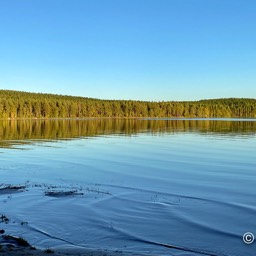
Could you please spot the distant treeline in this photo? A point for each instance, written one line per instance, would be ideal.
(14, 104)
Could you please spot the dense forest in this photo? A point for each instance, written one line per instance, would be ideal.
(15, 104)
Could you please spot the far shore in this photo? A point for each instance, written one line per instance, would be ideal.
(133, 118)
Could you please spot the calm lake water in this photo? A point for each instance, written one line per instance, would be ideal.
(154, 187)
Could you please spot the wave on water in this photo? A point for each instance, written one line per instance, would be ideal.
(108, 207)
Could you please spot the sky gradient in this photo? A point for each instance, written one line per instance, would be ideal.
(129, 49)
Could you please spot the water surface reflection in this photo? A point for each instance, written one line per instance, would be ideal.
(18, 132)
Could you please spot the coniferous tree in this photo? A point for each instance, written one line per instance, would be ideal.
(15, 104)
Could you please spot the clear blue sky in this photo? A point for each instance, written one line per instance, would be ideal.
(129, 49)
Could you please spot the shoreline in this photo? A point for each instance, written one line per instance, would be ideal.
(15, 246)
(12, 245)
(132, 118)
(21, 251)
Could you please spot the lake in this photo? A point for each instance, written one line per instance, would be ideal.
(146, 186)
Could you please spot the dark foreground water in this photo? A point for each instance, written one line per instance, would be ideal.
(155, 187)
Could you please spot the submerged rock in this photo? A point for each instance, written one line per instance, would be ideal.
(8, 189)
(63, 193)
